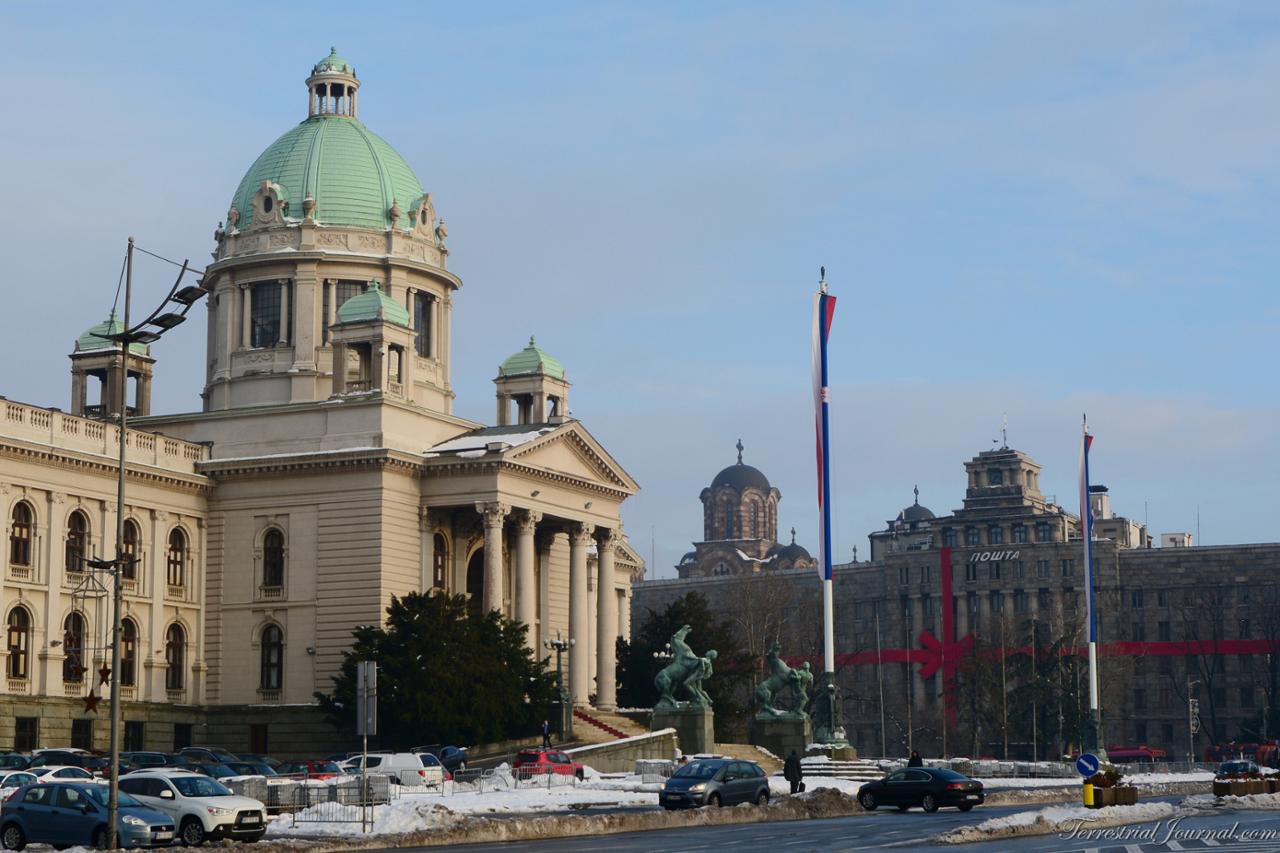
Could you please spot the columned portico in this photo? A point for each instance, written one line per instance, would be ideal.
(606, 621)
(495, 515)
(526, 604)
(579, 613)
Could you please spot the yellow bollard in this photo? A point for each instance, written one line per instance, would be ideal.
(1088, 795)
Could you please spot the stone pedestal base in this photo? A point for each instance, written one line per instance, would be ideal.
(695, 727)
(780, 735)
(843, 752)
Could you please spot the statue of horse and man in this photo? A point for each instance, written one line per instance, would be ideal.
(687, 670)
(781, 677)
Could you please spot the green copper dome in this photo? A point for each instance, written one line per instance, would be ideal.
(354, 176)
(99, 337)
(373, 304)
(532, 360)
(333, 62)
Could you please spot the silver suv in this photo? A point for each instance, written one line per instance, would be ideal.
(201, 808)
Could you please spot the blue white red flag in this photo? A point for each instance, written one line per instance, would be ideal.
(824, 307)
(1086, 534)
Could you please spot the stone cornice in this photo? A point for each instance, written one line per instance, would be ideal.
(71, 461)
(448, 466)
(319, 255)
(289, 408)
(359, 457)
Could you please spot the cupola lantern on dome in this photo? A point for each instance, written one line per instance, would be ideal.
(332, 87)
(535, 381)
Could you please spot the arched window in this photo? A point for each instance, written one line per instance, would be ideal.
(128, 653)
(273, 558)
(755, 521)
(73, 634)
(20, 535)
(175, 656)
(129, 548)
(272, 658)
(19, 643)
(177, 562)
(439, 559)
(77, 541)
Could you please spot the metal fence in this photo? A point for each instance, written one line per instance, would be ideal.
(542, 777)
(348, 801)
(654, 770)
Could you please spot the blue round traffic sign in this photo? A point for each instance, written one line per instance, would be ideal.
(1087, 764)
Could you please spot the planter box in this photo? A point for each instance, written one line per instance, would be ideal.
(1126, 795)
(1103, 797)
(1257, 786)
(1221, 787)
(1273, 784)
(1239, 787)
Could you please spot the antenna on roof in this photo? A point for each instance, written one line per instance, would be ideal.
(1004, 431)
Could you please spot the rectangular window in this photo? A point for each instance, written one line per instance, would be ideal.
(906, 606)
(971, 602)
(1021, 602)
(258, 738)
(325, 298)
(1140, 733)
(1043, 531)
(82, 734)
(926, 605)
(1246, 696)
(994, 572)
(1135, 599)
(134, 735)
(422, 303)
(1042, 568)
(1139, 632)
(1068, 568)
(1164, 632)
(926, 574)
(971, 536)
(26, 731)
(1244, 629)
(971, 571)
(904, 575)
(1139, 699)
(264, 314)
(1045, 598)
(1166, 733)
(1162, 598)
(997, 601)
(1020, 534)
(949, 538)
(181, 736)
(1019, 570)
(995, 535)
(1220, 697)
(1166, 697)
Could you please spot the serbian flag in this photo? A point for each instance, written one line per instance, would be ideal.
(1086, 534)
(824, 307)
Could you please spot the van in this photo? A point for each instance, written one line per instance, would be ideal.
(405, 768)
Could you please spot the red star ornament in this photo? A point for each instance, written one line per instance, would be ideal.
(91, 703)
(104, 674)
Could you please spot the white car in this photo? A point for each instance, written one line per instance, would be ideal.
(201, 808)
(62, 773)
(407, 768)
(16, 779)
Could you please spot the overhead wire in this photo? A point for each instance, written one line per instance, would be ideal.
(168, 260)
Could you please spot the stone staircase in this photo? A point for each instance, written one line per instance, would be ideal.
(770, 764)
(858, 770)
(595, 726)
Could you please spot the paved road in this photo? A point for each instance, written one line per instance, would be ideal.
(1220, 830)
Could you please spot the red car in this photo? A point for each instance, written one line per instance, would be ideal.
(310, 769)
(539, 762)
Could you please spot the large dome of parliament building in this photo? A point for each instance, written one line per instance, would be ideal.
(322, 473)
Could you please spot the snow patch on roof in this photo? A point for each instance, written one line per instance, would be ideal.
(480, 439)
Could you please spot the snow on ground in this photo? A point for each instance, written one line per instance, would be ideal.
(1049, 782)
(1249, 802)
(1057, 819)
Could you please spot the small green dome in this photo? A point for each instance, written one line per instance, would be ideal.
(373, 304)
(354, 176)
(99, 337)
(532, 360)
(333, 62)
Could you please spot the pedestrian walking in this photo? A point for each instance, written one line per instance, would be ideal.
(915, 760)
(793, 772)
(546, 734)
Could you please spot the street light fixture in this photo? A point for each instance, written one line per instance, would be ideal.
(1193, 706)
(560, 645)
(159, 321)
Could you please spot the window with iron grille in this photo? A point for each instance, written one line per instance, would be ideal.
(264, 314)
(422, 304)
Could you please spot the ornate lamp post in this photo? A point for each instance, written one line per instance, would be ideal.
(172, 312)
(565, 710)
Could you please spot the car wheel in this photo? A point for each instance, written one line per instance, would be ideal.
(714, 800)
(868, 800)
(579, 774)
(12, 837)
(100, 838)
(762, 799)
(192, 832)
(929, 804)
(966, 807)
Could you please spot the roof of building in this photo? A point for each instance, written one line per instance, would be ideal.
(98, 337)
(741, 476)
(354, 176)
(792, 552)
(371, 305)
(916, 512)
(333, 62)
(530, 361)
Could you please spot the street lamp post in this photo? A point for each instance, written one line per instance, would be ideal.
(148, 331)
(1192, 707)
(560, 646)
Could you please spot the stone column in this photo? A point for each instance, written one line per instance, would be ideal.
(495, 515)
(624, 615)
(526, 594)
(284, 336)
(246, 317)
(339, 368)
(426, 568)
(606, 622)
(77, 393)
(579, 616)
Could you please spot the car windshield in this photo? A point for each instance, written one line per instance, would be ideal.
(99, 793)
(698, 770)
(219, 771)
(199, 786)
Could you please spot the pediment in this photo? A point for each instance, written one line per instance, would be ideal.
(573, 452)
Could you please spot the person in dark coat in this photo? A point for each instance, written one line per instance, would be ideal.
(546, 734)
(915, 760)
(792, 772)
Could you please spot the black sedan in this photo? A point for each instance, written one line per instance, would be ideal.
(928, 787)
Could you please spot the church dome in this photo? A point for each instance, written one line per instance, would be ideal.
(791, 553)
(98, 337)
(355, 178)
(741, 476)
(373, 305)
(916, 512)
(531, 361)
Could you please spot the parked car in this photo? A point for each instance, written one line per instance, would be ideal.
(206, 754)
(250, 768)
(454, 758)
(64, 774)
(928, 787)
(407, 768)
(1238, 767)
(202, 808)
(146, 759)
(14, 761)
(539, 762)
(66, 814)
(310, 769)
(715, 782)
(261, 759)
(59, 758)
(17, 778)
(214, 771)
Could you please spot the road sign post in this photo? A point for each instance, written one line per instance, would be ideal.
(366, 724)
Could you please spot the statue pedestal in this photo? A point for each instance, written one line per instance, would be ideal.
(782, 734)
(695, 727)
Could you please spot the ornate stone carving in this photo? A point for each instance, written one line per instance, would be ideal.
(278, 240)
(442, 231)
(233, 216)
(581, 533)
(527, 521)
(368, 241)
(686, 669)
(337, 240)
(309, 208)
(494, 513)
(394, 213)
(270, 204)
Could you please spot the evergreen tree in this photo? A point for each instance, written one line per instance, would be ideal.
(445, 675)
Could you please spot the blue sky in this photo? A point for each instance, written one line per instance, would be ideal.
(1035, 209)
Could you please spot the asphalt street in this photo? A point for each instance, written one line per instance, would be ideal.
(1221, 830)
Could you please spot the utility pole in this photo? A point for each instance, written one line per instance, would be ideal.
(1004, 692)
(884, 752)
(1192, 707)
(1034, 696)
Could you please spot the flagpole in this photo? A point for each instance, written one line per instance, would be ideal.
(831, 730)
(1093, 730)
